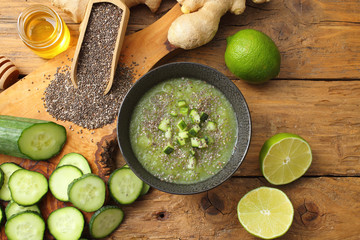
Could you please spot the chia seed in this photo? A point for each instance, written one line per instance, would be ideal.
(87, 106)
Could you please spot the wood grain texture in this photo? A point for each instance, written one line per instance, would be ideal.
(324, 209)
(308, 33)
(313, 97)
(24, 99)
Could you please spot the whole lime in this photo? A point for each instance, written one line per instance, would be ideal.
(252, 56)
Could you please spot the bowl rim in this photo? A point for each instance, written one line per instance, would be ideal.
(192, 188)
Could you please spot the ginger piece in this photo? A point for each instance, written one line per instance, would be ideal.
(200, 21)
(76, 8)
(152, 4)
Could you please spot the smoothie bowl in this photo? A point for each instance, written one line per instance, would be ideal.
(184, 128)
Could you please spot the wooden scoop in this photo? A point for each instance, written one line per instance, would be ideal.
(119, 40)
(8, 73)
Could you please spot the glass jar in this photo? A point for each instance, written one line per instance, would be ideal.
(43, 31)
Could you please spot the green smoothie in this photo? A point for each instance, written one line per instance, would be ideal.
(183, 130)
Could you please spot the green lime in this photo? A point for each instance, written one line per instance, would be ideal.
(252, 56)
(284, 158)
(265, 212)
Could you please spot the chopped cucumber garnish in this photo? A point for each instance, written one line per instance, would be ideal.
(181, 103)
(181, 125)
(195, 142)
(203, 117)
(168, 133)
(180, 141)
(168, 149)
(184, 134)
(194, 115)
(209, 140)
(164, 125)
(198, 142)
(194, 130)
(211, 126)
(173, 113)
(184, 111)
(191, 163)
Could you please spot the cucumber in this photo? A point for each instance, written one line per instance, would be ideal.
(124, 186)
(66, 223)
(2, 177)
(8, 169)
(77, 160)
(25, 225)
(13, 208)
(30, 138)
(145, 189)
(60, 180)
(27, 187)
(87, 192)
(2, 215)
(105, 221)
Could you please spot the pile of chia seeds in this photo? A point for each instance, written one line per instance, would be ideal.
(87, 106)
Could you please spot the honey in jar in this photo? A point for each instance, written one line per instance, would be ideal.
(43, 31)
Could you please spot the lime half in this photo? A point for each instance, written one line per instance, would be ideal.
(265, 212)
(284, 158)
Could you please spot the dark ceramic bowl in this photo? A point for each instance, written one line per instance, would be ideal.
(197, 71)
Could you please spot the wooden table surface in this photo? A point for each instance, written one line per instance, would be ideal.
(316, 95)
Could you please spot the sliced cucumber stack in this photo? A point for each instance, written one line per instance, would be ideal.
(8, 169)
(25, 225)
(60, 180)
(27, 187)
(30, 138)
(13, 208)
(77, 160)
(66, 223)
(87, 192)
(124, 186)
(105, 221)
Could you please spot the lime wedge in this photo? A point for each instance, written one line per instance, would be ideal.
(284, 158)
(265, 212)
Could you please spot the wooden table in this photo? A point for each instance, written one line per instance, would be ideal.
(316, 95)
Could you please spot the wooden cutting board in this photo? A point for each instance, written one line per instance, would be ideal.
(141, 50)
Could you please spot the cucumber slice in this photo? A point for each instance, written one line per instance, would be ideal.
(25, 225)
(27, 187)
(105, 221)
(13, 208)
(124, 186)
(145, 189)
(60, 180)
(30, 138)
(87, 192)
(66, 223)
(8, 169)
(2, 215)
(77, 160)
(2, 177)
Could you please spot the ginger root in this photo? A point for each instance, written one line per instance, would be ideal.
(76, 8)
(200, 21)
